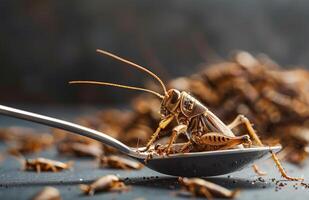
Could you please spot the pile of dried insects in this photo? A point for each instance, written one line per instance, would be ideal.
(275, 99)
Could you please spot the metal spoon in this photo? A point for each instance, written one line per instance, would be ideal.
(198, 164)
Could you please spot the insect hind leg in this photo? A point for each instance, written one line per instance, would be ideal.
(281, 169)
(223, 141)
(241, 119)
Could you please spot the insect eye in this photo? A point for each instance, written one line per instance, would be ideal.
(164, 111)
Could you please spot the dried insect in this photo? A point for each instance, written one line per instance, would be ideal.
(105, 183)
(203, 188)
(43, 164)
(118, 162)
(193, 119)
(80, 149)
(48, 193)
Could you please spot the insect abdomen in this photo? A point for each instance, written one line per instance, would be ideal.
(215, 139)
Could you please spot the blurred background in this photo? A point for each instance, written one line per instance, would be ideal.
(45, 44)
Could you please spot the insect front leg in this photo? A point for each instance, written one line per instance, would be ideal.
(162, 125)
(176, 132)
(53, 168)
(38, 167)
(241, 119)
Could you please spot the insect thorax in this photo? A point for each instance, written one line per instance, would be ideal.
(191, 107)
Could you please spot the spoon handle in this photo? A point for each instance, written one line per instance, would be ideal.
(68, 126)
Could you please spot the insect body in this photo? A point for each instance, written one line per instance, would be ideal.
(203, 188)
(118, 162)
(105, 183)
(193, 119)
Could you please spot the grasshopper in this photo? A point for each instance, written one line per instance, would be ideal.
(203, 129)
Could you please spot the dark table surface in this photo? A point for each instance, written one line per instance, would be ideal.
(145, 184)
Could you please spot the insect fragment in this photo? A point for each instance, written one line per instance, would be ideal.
(48, 193)
(203, 188)
(105, 183)
(257, 170)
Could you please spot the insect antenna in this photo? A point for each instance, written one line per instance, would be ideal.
(134, 65)
(117, 85)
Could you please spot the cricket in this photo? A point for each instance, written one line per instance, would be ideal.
(203, 129)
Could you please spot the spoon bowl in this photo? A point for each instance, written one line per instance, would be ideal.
(197, 164)
(209, 163)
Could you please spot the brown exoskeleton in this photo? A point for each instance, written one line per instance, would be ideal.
(203, 128)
